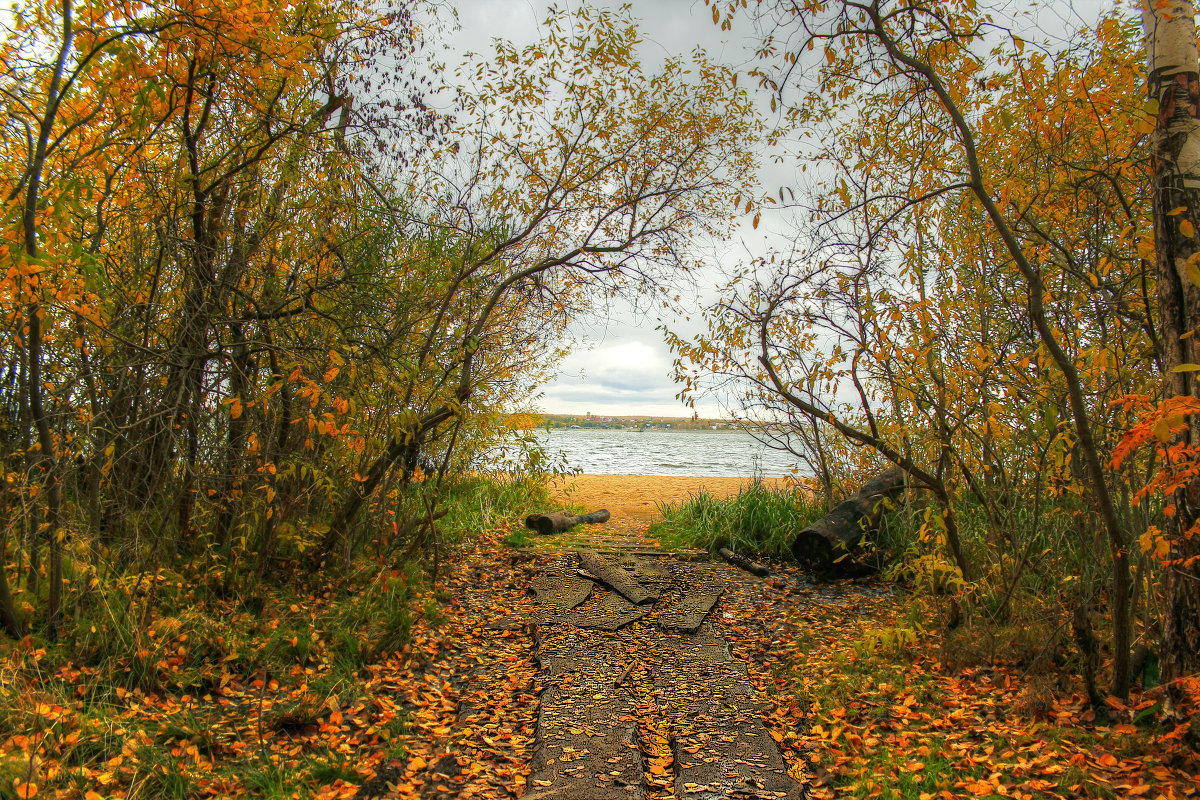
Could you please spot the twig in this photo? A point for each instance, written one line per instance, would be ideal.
(624, 674)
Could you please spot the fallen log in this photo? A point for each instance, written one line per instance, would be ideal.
(560, 521)
(830, 539)
(751, 566)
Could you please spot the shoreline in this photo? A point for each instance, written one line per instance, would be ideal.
(636, 496)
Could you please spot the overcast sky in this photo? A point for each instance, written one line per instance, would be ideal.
(621, 364)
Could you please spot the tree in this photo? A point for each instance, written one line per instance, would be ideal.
(272, 289)
(1174, 90)
(967, 167)
(158, 157)
(580, 173)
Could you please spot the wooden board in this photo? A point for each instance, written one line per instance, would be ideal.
(689, 613)
(610, 614)
(562, 592)
(615, 576)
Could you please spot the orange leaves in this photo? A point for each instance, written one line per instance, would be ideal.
(923, 728)
(979, 788)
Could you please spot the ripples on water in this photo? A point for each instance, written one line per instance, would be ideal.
(600, 451)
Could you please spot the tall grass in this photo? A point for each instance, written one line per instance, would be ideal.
(480, 502)
(759, 519)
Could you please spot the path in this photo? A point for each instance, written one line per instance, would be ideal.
(642, 699)
(638, 699)
(542, 683)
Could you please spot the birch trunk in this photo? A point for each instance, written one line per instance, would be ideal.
(1172, 64)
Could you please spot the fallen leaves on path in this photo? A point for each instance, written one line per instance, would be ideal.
(856, 695)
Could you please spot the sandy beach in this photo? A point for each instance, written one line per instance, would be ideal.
(634, 496)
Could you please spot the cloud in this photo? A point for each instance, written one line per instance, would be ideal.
(628, 371)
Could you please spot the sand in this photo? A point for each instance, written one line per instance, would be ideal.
(634, 496)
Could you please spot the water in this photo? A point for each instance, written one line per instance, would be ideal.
(599, 451)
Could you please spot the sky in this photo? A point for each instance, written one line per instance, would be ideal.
(620, 364)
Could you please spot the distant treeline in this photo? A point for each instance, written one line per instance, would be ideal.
(634, 421)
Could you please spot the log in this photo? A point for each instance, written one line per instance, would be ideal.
(615, 577)
(751, 566)
(560, 521)
(830, 539)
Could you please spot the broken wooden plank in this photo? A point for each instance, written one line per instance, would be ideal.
(720, 746)
(587, 731)
(689, 613)
(614, 576)
(563, 592)
(612, 613)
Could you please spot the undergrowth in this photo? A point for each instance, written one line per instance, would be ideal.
(168, 662)
(883, 701)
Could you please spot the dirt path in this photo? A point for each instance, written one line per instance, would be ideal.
(645, 700)
(543, 683)
(641, 696)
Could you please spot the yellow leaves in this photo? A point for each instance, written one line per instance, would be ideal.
(1187, 229)
(1154, 542)
(1162, 430)
(1191, 268)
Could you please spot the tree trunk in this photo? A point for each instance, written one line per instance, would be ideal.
(833, 535)
(9, 621)
(1173, 64)
(546, 524)
(751, 566)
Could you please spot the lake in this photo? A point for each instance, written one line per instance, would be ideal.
(600, 451)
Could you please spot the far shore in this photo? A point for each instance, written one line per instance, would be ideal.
(635, 496)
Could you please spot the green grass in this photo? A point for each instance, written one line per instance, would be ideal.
(758, 520)
(478, 502)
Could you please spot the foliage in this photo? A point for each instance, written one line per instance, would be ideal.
(264, 308)
(875, 699)
(171, 688)
(968, 293)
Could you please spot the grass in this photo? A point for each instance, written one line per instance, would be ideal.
(759, 519)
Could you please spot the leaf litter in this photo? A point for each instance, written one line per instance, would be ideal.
(858, 703)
